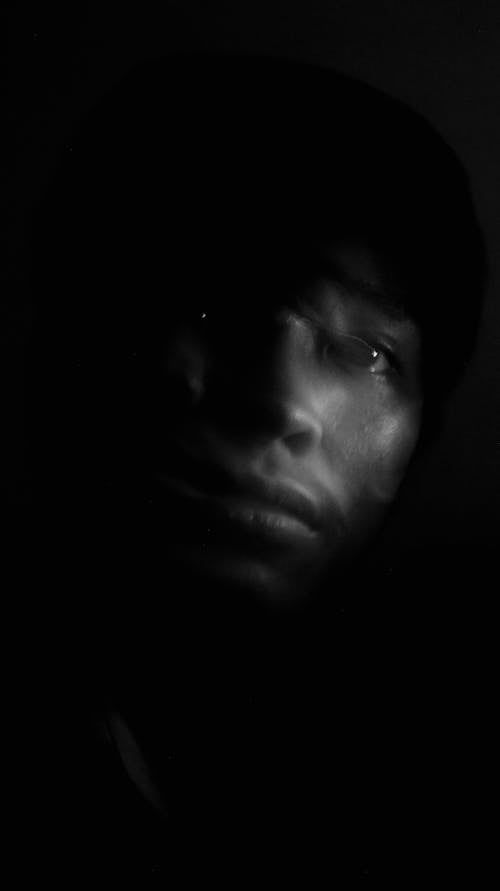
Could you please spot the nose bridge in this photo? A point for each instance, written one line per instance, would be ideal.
(287, 387)
(293, 341)
(290, 356)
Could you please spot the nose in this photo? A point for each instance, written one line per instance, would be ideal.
(300, 430)
(267, 388)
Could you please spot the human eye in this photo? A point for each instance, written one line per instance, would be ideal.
(355, 353)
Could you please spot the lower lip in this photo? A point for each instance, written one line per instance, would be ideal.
(264, 522)
(242, 517)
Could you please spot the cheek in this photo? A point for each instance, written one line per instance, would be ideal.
(184, 365)
(392, 446)
(372, 437)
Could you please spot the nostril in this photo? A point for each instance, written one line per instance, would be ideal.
(299, 442)
(302, 431)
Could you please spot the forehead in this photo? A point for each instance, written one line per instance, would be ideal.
(365, 273)
(369, 281)
(265, 269)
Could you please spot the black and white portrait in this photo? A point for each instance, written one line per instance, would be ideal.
(251, 483)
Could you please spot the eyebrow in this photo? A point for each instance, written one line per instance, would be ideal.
(391, 303)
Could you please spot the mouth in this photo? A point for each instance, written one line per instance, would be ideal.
(262, 522)
(265, 517)
(243, 508)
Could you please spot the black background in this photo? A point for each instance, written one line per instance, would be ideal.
(443, 57)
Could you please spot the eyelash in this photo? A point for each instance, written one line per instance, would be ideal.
(342, 341)
(329, 341)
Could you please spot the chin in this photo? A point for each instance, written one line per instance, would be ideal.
(249, 578)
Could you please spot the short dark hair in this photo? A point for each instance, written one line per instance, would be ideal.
(210, 149)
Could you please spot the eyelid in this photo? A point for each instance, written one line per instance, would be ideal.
(376, 350)
(384, 345)
(366, 343)
(377, 345)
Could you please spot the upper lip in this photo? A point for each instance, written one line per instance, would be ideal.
(276, 495)
(265, 493)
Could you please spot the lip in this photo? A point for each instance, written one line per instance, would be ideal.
(263, 520)
(276, 499)
(275, 508)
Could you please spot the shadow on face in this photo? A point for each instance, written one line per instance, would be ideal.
(241, 291)
(272, 432)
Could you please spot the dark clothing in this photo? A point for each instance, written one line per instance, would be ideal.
(354, 749)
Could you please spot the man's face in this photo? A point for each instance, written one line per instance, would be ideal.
(285, 432)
